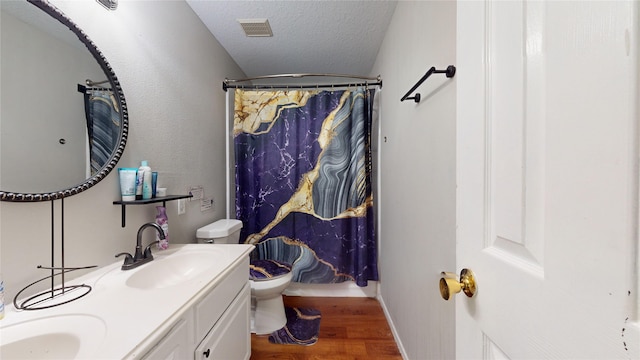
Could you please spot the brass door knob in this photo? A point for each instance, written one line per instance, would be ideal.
(450, 285)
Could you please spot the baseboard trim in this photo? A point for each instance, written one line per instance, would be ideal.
(345, 289)
(403, 353)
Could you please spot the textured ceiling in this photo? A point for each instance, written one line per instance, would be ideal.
(320, 36)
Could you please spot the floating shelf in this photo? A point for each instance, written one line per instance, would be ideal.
(162, 199)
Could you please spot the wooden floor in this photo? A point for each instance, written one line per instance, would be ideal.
(350, 329)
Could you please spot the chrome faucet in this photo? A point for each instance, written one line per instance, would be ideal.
(140, 257)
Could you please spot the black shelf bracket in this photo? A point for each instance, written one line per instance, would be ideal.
(163, 200)
(449, 72)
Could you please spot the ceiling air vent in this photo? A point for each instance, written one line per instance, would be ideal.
(256, 27)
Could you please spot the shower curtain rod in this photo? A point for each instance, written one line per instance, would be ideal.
(226, 85)
(83, 89)
(90, 82)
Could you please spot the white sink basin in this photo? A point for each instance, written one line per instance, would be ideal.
(176, 269)
(53, 337)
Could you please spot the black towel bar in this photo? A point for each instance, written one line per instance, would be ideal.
(450, 72)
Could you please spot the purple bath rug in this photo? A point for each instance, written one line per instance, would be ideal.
(301, 329)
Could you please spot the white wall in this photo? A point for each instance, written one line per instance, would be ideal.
(171, 70)
(418, 177)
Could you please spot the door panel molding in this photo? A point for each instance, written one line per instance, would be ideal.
(514, 132)
(491, 350)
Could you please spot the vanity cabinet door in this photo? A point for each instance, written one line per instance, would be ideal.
(174, 346)
(230, 338)
(214, 304)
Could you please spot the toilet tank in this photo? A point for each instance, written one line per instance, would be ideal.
(225, 231)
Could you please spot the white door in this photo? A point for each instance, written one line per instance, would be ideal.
(548, 179)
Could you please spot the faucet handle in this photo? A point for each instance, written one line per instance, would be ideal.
(147, 251)
(128, 258)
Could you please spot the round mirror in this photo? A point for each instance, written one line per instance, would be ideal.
(63, 117)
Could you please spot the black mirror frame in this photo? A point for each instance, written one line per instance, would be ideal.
(54, 12)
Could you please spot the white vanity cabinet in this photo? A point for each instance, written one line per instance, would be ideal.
(216, 326)
(175, 345)
(191, 301)
(230, 336)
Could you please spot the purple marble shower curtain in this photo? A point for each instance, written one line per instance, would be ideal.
(303, 181)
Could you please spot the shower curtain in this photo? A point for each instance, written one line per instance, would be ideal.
(303, 181)
(103, 126)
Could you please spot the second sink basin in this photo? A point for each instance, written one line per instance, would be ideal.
(53, 337)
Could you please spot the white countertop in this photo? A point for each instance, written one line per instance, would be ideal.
(119, 319)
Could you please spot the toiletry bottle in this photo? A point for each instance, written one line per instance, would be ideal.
(144, 166)
(146, 181)
(163, 221)
(140, 180)
(128, 183)
(154, 183)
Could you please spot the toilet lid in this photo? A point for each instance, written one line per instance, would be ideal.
(267, 269)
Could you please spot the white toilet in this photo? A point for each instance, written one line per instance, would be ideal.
(267, 278)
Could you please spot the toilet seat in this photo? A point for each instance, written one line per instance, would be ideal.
(264, 270)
